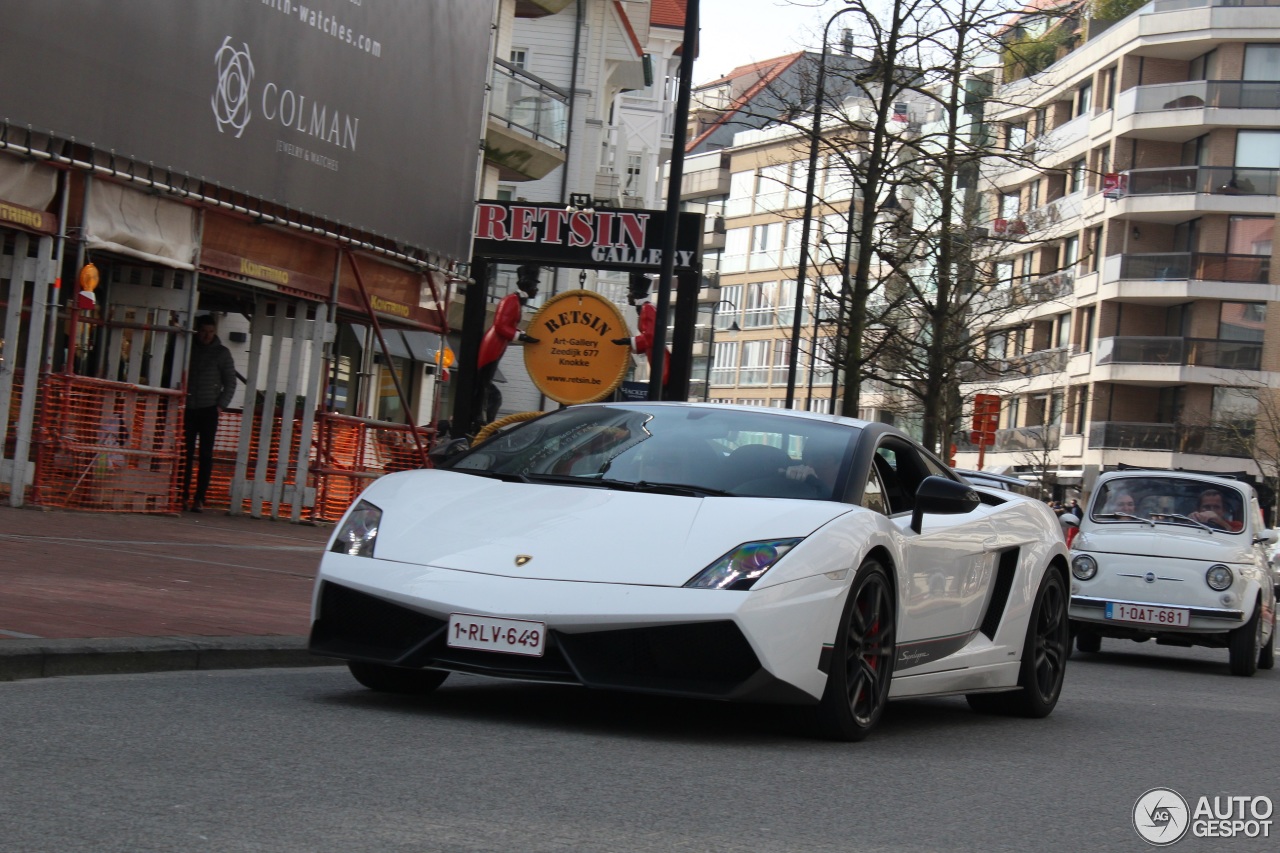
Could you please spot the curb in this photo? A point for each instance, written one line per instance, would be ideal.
(23, 659)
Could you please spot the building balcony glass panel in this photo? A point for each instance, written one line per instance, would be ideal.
(1213, 180)
(1020, 439)
(529, 104)
(1214, 94)
(1172, 438)
(1198, 266)
(753, 376)
(1196, 352)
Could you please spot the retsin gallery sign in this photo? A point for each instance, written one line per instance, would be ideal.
(364, 112)
(592, 238)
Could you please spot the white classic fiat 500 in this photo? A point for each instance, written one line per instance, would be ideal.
(1176, 557)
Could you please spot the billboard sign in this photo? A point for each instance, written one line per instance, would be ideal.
(367, 113)
(592, 238)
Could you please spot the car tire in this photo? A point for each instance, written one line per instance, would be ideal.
(1088, 642)
(396, 679)
(1044, 657)
(1245, 644)
(1267, 658)
(862, 660)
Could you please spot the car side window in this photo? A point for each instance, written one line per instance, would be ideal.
(896, 495)
(873, 496)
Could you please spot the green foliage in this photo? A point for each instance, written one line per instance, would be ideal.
(1114, 10)
(1028, 54)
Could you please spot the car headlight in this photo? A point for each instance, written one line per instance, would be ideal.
(1219, 578)
(743, 566)
(1083, 567)
(359, 532)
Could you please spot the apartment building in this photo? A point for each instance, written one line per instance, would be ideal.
(1135, 244)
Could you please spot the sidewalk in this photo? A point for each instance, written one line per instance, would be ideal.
(84, 593)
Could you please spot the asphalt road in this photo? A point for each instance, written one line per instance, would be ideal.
(306, 760)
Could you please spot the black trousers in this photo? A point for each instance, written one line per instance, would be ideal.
(199, 423)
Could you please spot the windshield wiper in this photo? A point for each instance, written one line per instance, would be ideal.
(1184, 518)
(504, 476)
(1126, 517)
(682, 489)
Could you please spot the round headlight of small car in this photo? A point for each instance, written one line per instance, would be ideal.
(1219, 577)
(1083, 567)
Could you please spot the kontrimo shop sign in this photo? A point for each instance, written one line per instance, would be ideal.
(596, 238)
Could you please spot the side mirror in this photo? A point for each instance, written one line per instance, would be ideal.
(1268, 536)
(940, 496)
(1069, 519)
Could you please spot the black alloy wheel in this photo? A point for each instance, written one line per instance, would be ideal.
(862, 664)
(396, 679)
(1044, 657)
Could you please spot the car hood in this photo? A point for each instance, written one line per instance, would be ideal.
(1166, 541)
(572, 533)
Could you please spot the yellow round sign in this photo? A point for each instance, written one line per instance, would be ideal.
(575, 359)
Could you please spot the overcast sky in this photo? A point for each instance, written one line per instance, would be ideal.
(739, 32)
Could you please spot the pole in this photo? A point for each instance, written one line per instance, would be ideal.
(819, 93)
(670, 230)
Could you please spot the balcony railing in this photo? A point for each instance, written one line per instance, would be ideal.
(1026, 439)
(1197, 266)
(529, 104)
(1172, 438)
(1038, 363)
(1179, 5)
(1214, 180)
(1215, 94)
(1198, 352)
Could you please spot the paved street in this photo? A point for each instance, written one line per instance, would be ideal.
(305, 760)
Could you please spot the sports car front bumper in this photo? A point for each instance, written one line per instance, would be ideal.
(764, 645)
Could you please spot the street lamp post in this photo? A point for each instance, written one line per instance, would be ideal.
(803, 268)
(711, 342)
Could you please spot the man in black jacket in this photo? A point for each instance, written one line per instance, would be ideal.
(211, 382)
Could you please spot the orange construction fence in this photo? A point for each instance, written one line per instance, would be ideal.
(116, 447)
(352, 452)
(107, 446)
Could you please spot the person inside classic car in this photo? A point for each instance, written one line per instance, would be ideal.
(1212, 510)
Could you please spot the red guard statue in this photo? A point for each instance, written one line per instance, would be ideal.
(646, 322)
(505, 329)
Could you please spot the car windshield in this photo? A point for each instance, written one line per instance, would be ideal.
(1170, 499)
(708, 450)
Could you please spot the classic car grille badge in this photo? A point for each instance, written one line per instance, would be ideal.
(521, 559)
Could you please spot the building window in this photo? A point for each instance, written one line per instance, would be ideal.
(1262, 62)
(1078, 170)
(1070, 252)
(1257, 149)
(736, 243)
(755, 363)
(741, 192)
(519, 57)
(766, 246)
(1084, 99)
(1242, 321)
(1086, 328)
(1016, 133)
